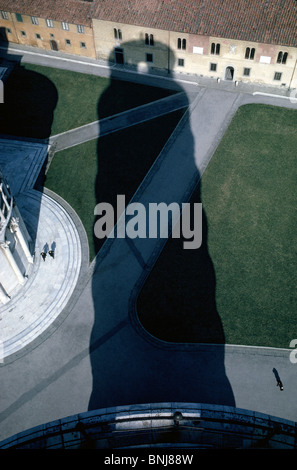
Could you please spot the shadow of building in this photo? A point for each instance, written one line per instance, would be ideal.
(139, 349)
(26, 116)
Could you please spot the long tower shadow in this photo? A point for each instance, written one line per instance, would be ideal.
(26, 116)
(153, 349)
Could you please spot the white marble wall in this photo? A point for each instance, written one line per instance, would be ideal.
(15, 250)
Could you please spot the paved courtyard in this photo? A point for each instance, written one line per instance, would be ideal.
(98, 355)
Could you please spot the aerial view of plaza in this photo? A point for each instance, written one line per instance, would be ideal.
(148, 226)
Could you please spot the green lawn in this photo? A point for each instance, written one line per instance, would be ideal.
(240, 286)
(42, 101)
(249, 195)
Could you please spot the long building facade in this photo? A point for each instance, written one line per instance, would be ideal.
(248, 41)
(251, 41)
(56, 25)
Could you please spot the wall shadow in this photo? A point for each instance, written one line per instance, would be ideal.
(30, 99)
(129, 365)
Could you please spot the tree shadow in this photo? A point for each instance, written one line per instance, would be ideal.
(129, 364)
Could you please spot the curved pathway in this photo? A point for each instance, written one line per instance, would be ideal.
(69, 373)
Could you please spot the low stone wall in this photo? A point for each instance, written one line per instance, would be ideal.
(157, 425)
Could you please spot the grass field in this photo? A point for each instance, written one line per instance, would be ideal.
(252, 226)
(241, 287)
(42, 101)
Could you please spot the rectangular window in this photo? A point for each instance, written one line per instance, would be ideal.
(23, 34)
(277, 76)
(213, 67)
(181, 62)
(4, 15)
(80, 28)
(83, 45)
(19, 17)
(149, 57)
(49, 23)
(65, 26)
(37, 36)
(34, 20)
(8, 30)
(246, 72)
(68, 42)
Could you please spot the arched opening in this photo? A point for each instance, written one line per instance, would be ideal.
(229, 73)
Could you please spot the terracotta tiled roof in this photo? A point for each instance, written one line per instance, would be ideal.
(264, 21)
(71, 11)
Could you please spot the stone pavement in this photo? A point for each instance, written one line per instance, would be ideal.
(35, 306)
(100, 355)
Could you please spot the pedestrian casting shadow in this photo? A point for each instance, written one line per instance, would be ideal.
(278, 379)
(146, 358)
(30, 99)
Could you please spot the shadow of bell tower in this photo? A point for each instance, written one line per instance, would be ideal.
(133, 365)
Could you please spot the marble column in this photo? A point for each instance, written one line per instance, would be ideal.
(4, 297)
(14, 227)
(6, 250)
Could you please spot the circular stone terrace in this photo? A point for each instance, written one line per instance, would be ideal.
(35, 306)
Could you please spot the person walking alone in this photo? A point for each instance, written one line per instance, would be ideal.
(280, 385)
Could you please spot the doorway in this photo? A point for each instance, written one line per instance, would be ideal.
(54, 45)
(229, 73)
(119, 55)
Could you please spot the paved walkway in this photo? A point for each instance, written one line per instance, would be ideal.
(100, 356)
(120, 121)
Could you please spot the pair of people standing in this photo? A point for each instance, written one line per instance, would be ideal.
(45, 251)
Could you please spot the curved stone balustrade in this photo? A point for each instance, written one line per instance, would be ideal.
(170, 425)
